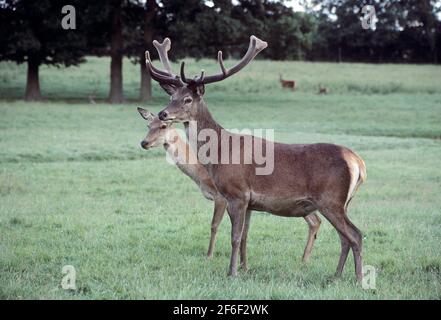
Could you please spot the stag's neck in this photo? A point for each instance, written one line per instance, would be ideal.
(204, 119)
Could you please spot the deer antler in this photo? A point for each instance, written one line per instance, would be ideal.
(256, 45)
(167, 76)
(162, 49)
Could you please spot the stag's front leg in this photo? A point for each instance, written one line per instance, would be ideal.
(237, 210)
(220, 205)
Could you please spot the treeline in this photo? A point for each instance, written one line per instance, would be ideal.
(31, 32)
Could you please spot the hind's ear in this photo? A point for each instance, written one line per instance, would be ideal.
(147, 115)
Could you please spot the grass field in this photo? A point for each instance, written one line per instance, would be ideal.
(76, 188)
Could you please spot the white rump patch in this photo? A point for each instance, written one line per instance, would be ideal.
(354, 170)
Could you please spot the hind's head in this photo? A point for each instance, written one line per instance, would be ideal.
(157, 130)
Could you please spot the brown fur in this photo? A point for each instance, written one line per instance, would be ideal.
(305, 178)
(161, 132)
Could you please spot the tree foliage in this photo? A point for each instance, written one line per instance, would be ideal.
(405, 31)
(31, 32)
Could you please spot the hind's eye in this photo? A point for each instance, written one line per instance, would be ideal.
(163, 126)
(187, 100)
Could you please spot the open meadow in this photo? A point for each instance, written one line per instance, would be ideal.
(77, 189)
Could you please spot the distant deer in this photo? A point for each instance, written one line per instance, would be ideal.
(163, 133)
(290, 84)
(305, 177)
(323, 90)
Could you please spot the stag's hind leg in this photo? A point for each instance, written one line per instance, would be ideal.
(314, 224)
(356, 248)
(243, 242)
(345, 246)
(349, 236)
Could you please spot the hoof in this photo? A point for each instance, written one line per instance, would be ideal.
(332, 279)
(305, 259)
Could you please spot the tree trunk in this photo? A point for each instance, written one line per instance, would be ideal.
(299, 54)
(430, 28)
(116, 52)
(145, 90)
(32, 92)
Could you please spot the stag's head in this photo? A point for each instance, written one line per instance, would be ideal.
(186, 94)
(158, 130)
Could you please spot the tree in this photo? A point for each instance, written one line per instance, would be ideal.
(129, 26)
(406, 31)
(106, 36)
(143, 18)
(289, 34)
(422, 25)
(32, 33)
(116, 52)
(180, 24)
(150, 12)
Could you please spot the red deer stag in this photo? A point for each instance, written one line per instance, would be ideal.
(163, 133)
(305, 177)
(290, 84)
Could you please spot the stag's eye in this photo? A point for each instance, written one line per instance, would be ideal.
(163, 126)
(187, 100)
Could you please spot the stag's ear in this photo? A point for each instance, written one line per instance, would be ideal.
(147, 115)
(170, 89)
(198, 89)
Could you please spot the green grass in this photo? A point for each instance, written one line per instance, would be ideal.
(76, 188)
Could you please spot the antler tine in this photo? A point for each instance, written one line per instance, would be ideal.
(162, 77)
(202, 76)
(221, 62)
(196, 80)
(162, 49)
(148, 60)
(165, 77)
(183, 77)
